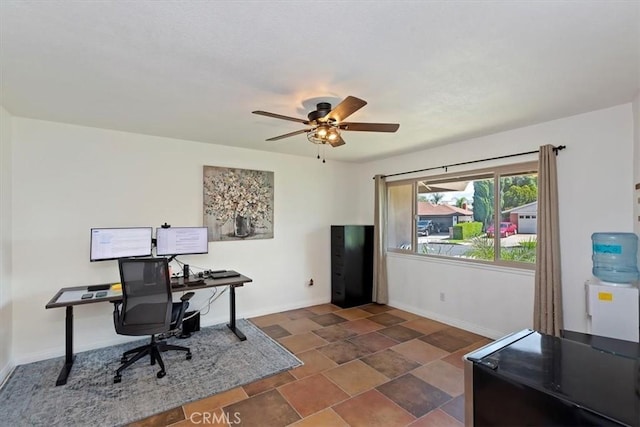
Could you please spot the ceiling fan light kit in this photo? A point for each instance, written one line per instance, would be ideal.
(324, 134)
(327, 124)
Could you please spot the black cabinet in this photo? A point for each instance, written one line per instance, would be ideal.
(351, 265)
(529, 378)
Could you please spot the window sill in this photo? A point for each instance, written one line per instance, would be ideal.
(524, 270)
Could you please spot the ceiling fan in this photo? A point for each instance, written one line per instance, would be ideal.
(326, 123)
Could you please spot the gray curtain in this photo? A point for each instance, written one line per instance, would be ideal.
(547, 309)
(380, 289)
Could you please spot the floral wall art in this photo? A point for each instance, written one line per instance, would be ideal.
(238, 203)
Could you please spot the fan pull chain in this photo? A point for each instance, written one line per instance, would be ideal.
(318, 147)
(323, 151)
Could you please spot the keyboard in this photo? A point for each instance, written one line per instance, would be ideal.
(224, 274)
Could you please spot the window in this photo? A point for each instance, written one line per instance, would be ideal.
(459, 215)
(399, 199)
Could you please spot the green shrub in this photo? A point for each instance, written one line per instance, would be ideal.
(525, 252)
(529, 244)
(481, 248)
(466, 230)
(518, 253)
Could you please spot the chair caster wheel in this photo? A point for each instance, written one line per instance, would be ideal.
(161, 374)
(117, 379)
(123, 359)
(189, 356)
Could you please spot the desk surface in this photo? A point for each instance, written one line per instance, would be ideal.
(72, 295)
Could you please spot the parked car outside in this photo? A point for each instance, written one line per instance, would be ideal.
(425, 227)
(506, 229)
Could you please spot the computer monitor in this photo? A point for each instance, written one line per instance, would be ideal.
(181, 241)
(114, 243)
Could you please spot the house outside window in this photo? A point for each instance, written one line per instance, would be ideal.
(459, 216)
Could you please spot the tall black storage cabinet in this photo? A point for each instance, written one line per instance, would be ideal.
(351, 265)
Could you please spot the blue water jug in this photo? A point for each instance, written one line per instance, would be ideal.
(615, 257)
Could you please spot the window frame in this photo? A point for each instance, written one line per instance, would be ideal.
(495, 173)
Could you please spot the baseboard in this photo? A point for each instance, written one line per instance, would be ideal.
(5, 372)
(451, 321)
(286, 307)
(205, 321)
(219, 317)
(77, 348)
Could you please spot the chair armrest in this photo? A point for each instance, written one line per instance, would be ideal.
(187, 296)
(116, 314)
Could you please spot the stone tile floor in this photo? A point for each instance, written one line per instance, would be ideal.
(368, 366)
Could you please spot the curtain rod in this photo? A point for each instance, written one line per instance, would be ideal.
(445, 167)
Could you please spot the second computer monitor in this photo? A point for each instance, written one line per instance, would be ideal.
(181, 241)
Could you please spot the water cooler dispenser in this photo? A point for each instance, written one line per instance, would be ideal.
(613, 301)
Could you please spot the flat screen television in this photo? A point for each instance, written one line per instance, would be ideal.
(126, 242)
(181, 241)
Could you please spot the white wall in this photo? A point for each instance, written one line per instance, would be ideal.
(6, 325)
(636, 167)
(594, 172)
(67, 179)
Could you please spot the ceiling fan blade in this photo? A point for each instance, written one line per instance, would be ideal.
(287, 135)
(280, 116)
(337, 142)
(347, 107)
(369, 127)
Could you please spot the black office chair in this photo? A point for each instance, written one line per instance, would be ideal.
(147, 309)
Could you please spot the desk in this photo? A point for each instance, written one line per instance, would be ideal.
(69, 297)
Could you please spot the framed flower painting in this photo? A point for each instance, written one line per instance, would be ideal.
(238, 203)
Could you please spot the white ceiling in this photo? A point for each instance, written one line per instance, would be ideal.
(445, 70)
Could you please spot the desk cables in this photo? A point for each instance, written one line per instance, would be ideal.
(206, 307)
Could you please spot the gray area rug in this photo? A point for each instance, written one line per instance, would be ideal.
(220, 362)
